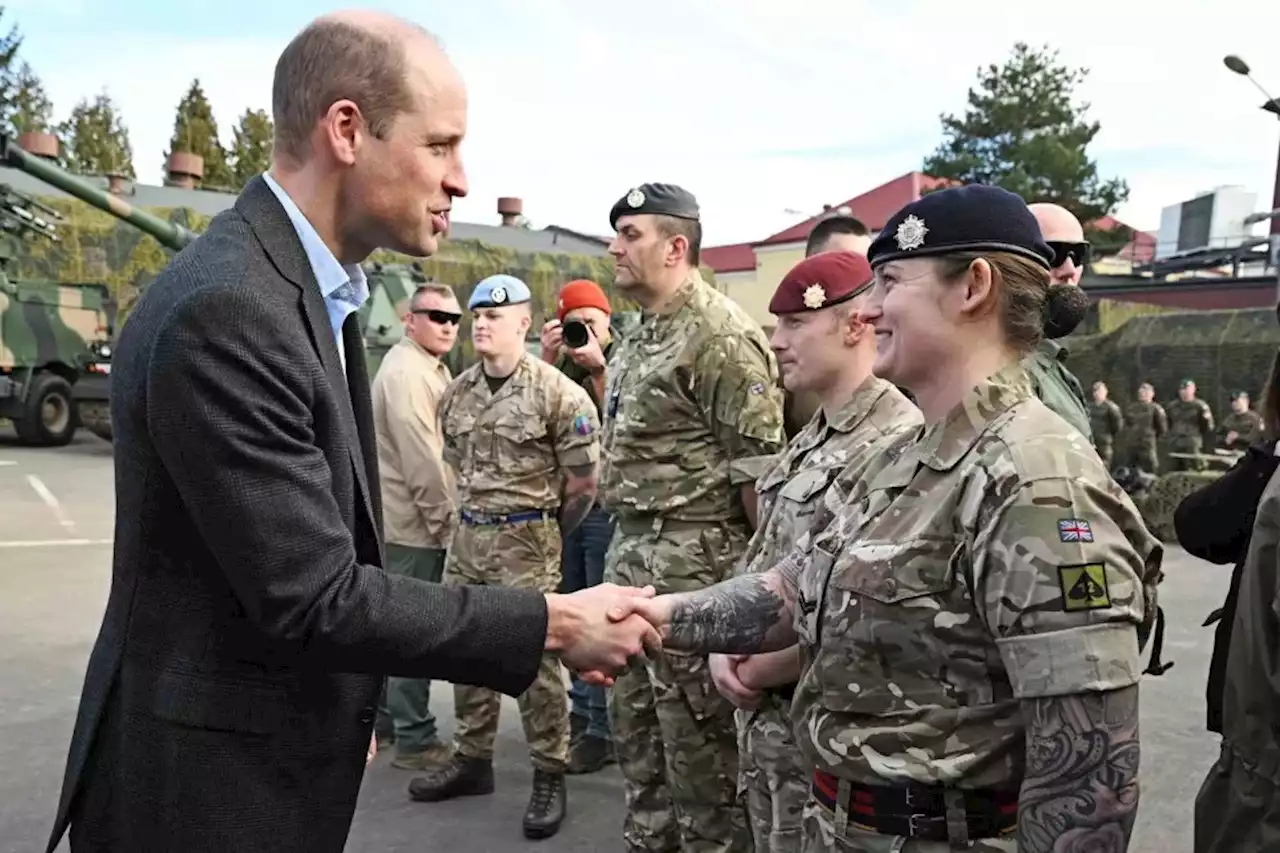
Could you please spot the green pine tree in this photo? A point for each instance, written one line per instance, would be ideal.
(196, 131)
(95, 140)
(9, 46)
(1024, 131)
(251, 149)
(32, 109)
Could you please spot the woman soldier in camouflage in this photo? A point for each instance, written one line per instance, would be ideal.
(971, 616)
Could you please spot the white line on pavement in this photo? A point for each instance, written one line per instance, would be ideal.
(53, 543)
(48, 497)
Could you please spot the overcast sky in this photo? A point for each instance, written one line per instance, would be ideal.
(757, 107)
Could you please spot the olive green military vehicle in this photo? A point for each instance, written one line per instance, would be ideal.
(46, 329)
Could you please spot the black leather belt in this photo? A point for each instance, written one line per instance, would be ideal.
(488, 518)
(785, 691)
(921, 812)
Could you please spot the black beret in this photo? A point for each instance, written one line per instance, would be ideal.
(971, 218)
(661, 199)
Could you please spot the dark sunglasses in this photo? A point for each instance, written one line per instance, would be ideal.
(1077, 252)
(441, 317)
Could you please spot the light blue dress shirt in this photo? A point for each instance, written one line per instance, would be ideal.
(344, 288)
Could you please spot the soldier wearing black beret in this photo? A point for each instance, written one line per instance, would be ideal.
(693, 413)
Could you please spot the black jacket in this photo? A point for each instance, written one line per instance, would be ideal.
(230, 696)
(1214, 523)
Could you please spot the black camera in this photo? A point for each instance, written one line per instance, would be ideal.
(576, 334)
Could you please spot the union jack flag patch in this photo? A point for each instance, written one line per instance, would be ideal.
(1074, 530)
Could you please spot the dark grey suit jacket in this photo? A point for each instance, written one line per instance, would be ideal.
(230, 696)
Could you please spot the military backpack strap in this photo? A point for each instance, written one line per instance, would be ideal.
(1154, 665)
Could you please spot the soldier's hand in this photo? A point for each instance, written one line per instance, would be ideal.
(589, 356)
(724, 674)
(1232, 435)
(552, 338)
(582, 628)
(373, 750)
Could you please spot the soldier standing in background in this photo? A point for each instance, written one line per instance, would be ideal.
(1051, 381)
(835, 233)
(824, 349)
(1242, 427)
(692, 412)
(523, 439)
(1145, 423)
(1190, 427)
(583, 360)
(417, 489)
(1106, 421)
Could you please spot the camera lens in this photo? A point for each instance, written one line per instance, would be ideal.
(576, 334)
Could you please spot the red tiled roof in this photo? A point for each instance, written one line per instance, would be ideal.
(737, 257)
(1141, 249)
(873, 207)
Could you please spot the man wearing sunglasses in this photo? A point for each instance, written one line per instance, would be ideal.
(1054, 384)
(417, 490)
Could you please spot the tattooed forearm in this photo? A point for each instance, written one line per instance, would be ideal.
(579, 495)
(744, 615)
(1081, 787)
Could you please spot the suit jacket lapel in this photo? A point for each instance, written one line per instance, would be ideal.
(262, 210)
(357, 381)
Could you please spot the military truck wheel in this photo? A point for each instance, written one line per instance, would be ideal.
(49, 419)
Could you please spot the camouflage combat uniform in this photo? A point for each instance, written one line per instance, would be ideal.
(1144, 425)
(990, 561)
(1057, 386)
(691, 390)
(510, 449)
(1247, 426)
(1106, 421)
(1190, 427)
(772, 775)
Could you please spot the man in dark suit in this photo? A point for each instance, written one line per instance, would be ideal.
(230, 698)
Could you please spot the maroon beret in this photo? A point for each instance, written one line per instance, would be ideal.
(820, 281)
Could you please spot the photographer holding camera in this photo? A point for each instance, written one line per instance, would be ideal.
(579, 344)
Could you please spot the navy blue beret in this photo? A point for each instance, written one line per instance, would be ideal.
(661, 199)
(972, 218)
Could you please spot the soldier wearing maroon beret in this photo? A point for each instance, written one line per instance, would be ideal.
(826, 350)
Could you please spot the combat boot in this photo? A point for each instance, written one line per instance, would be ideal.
(461, 777)
(547, 805)
(590, 753)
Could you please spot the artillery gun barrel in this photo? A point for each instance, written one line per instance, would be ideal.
(169, 235)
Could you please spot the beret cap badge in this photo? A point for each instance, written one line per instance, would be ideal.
(814, 296)
(635, 198)
(910, 233)
(498, 295)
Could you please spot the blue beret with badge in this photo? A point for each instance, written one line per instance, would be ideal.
(497, 291)
(657, 199)
(972, 218)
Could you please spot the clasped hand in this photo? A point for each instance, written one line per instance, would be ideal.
(603, 631)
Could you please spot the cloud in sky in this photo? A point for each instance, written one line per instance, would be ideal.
(758, 108)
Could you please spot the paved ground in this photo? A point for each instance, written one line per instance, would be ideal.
(56, 510)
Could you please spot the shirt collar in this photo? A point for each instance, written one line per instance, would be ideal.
(946, 442)
(330, 275)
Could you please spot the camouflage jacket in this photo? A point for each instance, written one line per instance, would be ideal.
(691, 390)
(990, 561)
(790, 493)
(1247, 426)
(1144, 422)
(1190, 418)
(1057, 386)
(1106, 421)
(510, 448)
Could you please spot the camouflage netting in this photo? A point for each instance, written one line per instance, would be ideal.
(1221, 350)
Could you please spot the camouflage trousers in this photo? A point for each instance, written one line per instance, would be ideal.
(773, 778)
(1185, 444)
(1106, 450)
(674, 734)
(1143, 456)
(820, 836)
(524, 556)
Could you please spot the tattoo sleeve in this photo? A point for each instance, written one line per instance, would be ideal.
(743, 615)
(1081, 787)
(579, 495)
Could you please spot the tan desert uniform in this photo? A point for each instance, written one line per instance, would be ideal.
(991, 561)
(691, 391)
(510, 450)
(772, 773)
(417, 487)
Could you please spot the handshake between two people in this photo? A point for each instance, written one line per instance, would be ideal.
(603, 631)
